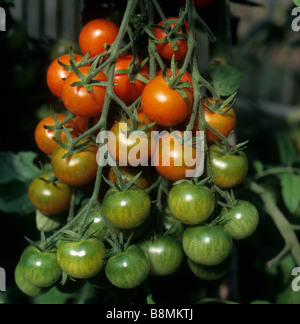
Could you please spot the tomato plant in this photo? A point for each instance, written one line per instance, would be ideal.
(168, 218)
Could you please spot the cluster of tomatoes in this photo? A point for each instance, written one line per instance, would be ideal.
(158, 240)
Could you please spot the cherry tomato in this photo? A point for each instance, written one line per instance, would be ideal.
(207, 245)
(223, 123)
(78, 169)
(212, 273)
(165, 49)
(191, 204)
(96, 34)
(129, 150)
(164, 105)
(241, 221)
(40, 269)
(83, 259)
(125, 89)
(48, 198)
(198, 3)
(165, 255)
(56, 74)
(228, 171)
(129, 269)
(78, 100)
(126, 209)
(26, 287)
(175, 161)
(144, 181)
(44, 137)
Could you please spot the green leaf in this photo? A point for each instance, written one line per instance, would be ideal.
(297, 3)
(290, 191)
(16, 173)
(19, 167)
(287, 151)
(225, 79)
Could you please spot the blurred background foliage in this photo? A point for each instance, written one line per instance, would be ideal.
(264, 48)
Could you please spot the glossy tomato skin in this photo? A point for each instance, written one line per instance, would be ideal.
(95, 34)
(207, 245)
(191, 204)
(175, 161)
(124, 89)
(129, 269)
(165, 49)
(228, 171)
(126, 209)
(165, 254)
(78, 169)
(164, 105)
(56, 74)
(40, 269)
(78, 100)
(132, 149)
(48, 198)
(83, 259)
(26, 287)
(198, 3)
(44, 137)
(223, 123)
(241, 220)
(212, 273)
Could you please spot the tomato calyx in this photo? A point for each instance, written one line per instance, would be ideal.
(220, 107)
(73, 63)
(226, 148)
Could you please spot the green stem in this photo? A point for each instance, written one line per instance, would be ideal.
(276, 171)
(221, 50)
(283, 225)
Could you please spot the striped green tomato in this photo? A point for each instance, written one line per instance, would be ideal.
(83, 259)
(191, 204)
(129, 269)
(207, 245)
(165, 254)
(126, 209)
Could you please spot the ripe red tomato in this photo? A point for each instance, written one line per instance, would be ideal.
(165, 49)
(124, 88)
(198, 3)
(173, 160)
(44, 137)
(77, 99)
(56, 74)
(164, 105)
(96, 34)
(223, 123)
